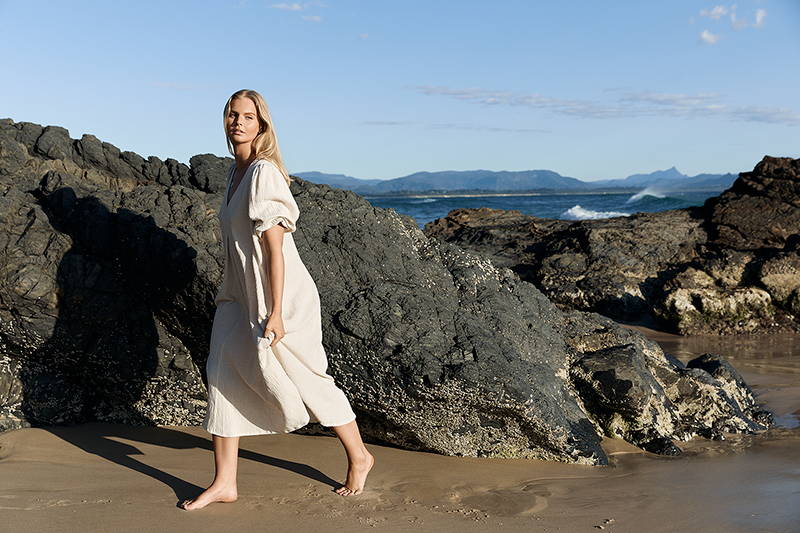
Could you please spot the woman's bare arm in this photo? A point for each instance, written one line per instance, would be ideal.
(272, 248)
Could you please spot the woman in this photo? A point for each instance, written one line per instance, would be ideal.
(265, 375)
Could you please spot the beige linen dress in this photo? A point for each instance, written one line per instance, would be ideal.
(254, 388)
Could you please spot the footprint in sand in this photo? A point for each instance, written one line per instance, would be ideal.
(508, 502)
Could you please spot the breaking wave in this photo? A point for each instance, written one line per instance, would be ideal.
(579, 213)
(647, 191)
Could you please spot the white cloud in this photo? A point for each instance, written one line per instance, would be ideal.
(708, 37)
(719, 11)
(295, 6)
(288, 7)
(716, 12)
(363, 35)
(628, 105)
(740, 24)
(761, 14)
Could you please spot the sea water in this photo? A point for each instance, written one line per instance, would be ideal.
(565, 206)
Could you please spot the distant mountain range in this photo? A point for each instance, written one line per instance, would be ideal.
(485, 181)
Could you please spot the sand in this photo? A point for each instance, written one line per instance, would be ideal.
(109, 477)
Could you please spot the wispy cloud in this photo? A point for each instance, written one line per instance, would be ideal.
(761, 14)
(487, 97)
(719, 11)
(296, 6)
(387, 122)
(452, 126)
(288, 7)
(772, 115)
(626, 105)
(708, 37)
(672, 99)
(715, 12)
(478, 127)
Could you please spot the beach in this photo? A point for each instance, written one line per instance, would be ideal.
(109, 477)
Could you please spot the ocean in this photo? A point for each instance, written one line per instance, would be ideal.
(566, 206)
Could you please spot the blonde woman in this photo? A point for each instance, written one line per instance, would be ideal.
(267, 368)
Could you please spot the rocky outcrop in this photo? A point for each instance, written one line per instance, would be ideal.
(729, 266)
(109, 267)
(761, 210)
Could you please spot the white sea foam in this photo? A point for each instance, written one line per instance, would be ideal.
(647, 191)
(579, 213)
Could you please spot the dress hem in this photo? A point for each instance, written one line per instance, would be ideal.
(253, 433)
(270, 432)
(338, 423)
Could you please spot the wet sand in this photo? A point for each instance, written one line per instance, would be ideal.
(108, 477)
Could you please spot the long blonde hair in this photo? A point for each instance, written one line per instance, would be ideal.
(266, 143)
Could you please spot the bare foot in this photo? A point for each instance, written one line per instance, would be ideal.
(214, 493)
(357, 471)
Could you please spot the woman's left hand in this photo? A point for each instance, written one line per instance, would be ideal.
(275, 325)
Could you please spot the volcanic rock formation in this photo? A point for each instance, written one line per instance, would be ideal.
(110, 262)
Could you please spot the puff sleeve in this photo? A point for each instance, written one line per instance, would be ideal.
(270, 202)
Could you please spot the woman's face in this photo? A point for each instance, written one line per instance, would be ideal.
(242, 121)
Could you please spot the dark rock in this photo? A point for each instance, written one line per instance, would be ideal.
(12, 156)
(54, 143)
(209, 173)
(761, 209)
(662, 446)
(108, 268)
(90, 149)
(597, 265)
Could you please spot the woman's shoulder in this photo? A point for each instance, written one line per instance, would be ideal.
(268, 166)
(264, 162)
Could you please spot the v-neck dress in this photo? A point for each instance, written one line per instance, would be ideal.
(255, 388)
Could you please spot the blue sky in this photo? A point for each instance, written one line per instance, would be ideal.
(383, 89)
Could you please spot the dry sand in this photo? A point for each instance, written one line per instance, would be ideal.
(108, 477)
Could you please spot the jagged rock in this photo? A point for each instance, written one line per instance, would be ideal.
(780, 276)
(623, 395)
(737, 394)
(761, 209)
(636, 392)
(726, 267)
(109, 264)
